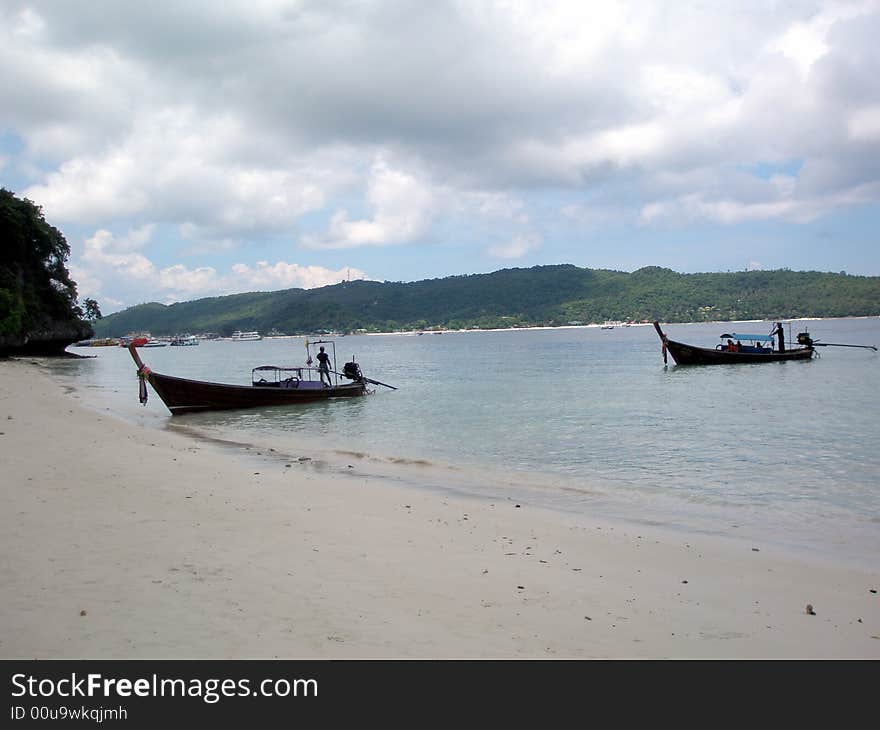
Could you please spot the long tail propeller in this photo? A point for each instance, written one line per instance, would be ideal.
(366, 380)
(837, 344)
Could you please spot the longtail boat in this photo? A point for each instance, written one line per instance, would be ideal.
(271, 385)
(757, 348)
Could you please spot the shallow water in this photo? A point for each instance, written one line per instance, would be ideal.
(580, 419)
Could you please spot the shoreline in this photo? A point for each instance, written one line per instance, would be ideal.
(592, 325)
(595, 325)
(557, 492)
(131, 542)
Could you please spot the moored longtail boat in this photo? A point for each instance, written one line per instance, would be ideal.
(759, 348)
(271, 386)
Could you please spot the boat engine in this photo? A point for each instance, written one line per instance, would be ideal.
(352, 371)
(804, 339)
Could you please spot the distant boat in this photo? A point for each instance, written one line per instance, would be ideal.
(102, 342)
(185, 341)
(239, 336)
(153, 343)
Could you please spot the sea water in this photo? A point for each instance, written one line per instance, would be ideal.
(578, 419)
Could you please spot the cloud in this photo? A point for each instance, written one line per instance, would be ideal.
(282, 275)
(864, 124)
(516, 248)
(103, 252)
(357, 126)
(496, 205)
(176, 167)
(111, 271)
(696, 207)
(784, 205)
(401, 205)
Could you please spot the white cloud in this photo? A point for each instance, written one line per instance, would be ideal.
(26, 23)
(401, 205)
(177, 167)
(516, 248)
(110, 271)
(135, 238)
(102, 252)
(282, 275)
(806, 41)
(394, 123)
(495, 205)
(699, 207)
(179, 282)
(864, 124)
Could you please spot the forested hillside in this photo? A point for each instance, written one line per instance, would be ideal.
(38, 309)
(542, 295)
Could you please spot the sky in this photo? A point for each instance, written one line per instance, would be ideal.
(194, 148)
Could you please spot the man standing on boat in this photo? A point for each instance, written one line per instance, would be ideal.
(778, 331)
(324, 365)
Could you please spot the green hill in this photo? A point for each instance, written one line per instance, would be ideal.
(542, 295)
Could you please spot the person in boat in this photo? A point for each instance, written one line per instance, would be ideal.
(778, 332)
(324, 365)
(730, 346)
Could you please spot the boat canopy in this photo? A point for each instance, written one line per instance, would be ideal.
(754, 338)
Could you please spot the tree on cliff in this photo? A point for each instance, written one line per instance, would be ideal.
(92, 310)
(38, 310)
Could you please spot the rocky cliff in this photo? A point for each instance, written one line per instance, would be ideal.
(49, 338)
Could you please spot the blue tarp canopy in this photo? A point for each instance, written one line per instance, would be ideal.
(755, 338)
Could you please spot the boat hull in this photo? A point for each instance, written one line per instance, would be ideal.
(181, 395)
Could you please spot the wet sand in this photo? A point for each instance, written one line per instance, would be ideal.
(130, 542)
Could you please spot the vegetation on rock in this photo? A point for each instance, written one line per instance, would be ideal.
(38, 309)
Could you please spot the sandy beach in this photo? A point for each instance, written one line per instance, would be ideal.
(120, 541)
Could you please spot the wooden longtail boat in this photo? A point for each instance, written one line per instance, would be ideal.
(271, 386)
(734, 351)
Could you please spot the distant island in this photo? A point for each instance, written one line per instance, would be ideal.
(520, 297)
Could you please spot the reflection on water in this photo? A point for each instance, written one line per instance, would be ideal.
(580, 418)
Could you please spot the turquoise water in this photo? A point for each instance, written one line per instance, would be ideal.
(579, 419)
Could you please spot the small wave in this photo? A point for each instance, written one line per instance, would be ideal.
(416, 462)
(207, 437)
(354, 454)
(401, 460)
